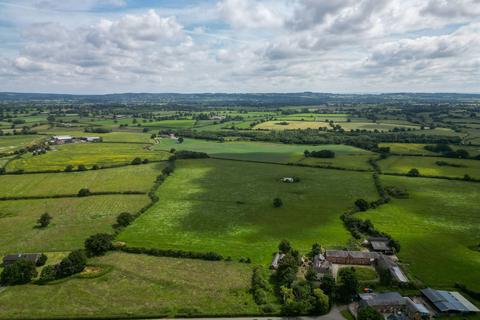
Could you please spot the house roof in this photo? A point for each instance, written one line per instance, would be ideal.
(398, 274)
(353, 254)
(10, 258)
(383, 299)
(380, 245)
(62, 137)
(446, 301)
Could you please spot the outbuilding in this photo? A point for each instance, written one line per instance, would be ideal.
(12, 258)
(448, 302)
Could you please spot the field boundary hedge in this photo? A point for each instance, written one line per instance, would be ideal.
(208, 256)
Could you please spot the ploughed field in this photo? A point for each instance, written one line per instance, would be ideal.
(226, 207)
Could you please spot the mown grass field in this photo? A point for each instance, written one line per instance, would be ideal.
(138, 285)
(407, 148)
(138, 178)
(11, 143)
(291, 125)
(74, 219)
(428, 167)
(115, 136)
(437, 227)
(345, 156)
(226, 207)
(88, 154)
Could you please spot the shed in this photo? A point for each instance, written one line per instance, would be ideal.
(12, 258)
(388, 302)
(449, 301)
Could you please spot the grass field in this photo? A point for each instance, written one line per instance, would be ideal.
(407, 148)
(346, 156)
(291, 125)
(74, 219)
(88, 154)
(428, 167)
(11, 143)
(138, 285)
(226, 207)
(436, 227)
(131, 178)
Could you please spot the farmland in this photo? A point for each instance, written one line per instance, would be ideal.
(437, 227)
(139, 285)
(210, 199)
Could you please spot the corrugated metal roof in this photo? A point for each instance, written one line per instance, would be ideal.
(449, 301)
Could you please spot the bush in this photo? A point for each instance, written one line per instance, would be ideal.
(320, 154)
(95, 167)
(44, 220)
(48, 274)
(362, 204)
(69, 168)
(209, 256)
(368, 313)
(98, 244)
(82, 167)
(75, 262)
(277, 202)
(83, 192)
(136, 161)
(41, 260)
(124, 219)
(184, 154)
(20, 272)
(413, 172)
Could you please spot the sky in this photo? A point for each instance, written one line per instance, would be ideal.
(340, 46)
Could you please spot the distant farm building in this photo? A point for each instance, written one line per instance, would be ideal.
(351, 257)
(12, 258)
(61, 139)
(92, 139)
(448, 302)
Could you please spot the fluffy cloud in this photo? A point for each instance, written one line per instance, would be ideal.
(452, 8)
(250, 14)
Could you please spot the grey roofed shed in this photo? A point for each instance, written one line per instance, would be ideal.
(383, 299)
(12, 258)
(449, 301)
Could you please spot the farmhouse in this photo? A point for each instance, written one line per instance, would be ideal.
(388, 302)
(276, 259)
(12, 258)
(380, 244)
(351, 257)
(448, 302)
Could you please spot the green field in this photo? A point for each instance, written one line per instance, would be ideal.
(74, 219)
(407, 148)
(226, 207)
(130, 178)
(138, 285)
(436, 227)
(116, 136)
(345, 156)
(291, 125)
(428, 167)
(88, 154)
(11, 143)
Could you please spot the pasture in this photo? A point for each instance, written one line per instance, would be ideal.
(88, 154)
(138, 285)
(291, 125)
(226, 207)
(12, 143)
(138, 178)
(345, 156)
(74, 219)
(437, 227)
(428, 166)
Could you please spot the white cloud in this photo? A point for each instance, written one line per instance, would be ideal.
(250, 13)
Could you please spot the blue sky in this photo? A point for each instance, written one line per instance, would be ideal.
(104, 46)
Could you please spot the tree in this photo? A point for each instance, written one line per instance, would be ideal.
(136, 161)
(41, 260)
(362, 204)
(48, 273)
(180, 140)
(321, 302)
(75, 262)
(287, 270)
(20, 272)
(277, 202)
(83, 192)
(44, 220)
(98, 244)
(284, 246)
(311, 274)
(2, 171)
(82, 167)
(328, 285)
(368, 313)
(413, 172)
(69, 168)
(349, 285)
(124, 219)
(316, 249)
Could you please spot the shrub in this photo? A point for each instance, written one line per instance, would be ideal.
(44, 220)
(277, 202)
(413, 172)
(368, 313)
(320, 154)
(20, 272)
(136, 161)
(362, 204)
(98, 244)
(184, 154)
(82, 167)
(75, 262)
(284, 246)
(145, 161)
(124, 219)
(83, 192)
(95, 167)
(49, 273)
(41, 260)
(69, 168)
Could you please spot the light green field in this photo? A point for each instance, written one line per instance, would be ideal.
(428, 167)
(170, 124)
(115, 136)
(88, 154)
(131, 178)
(138, 285)
(371, 126)
(226, 207)
(407, 148)
(74, 219)
(345, 156)
(11, 143)
(436, 227)
(275, 125)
